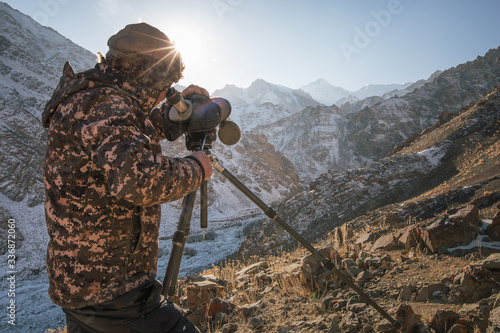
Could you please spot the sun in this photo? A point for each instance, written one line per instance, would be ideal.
(189, 43)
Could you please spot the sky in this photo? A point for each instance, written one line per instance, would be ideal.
(292, 43)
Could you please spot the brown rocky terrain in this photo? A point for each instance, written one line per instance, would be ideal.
(431, 259)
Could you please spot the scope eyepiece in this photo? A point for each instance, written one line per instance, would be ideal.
(181, 109)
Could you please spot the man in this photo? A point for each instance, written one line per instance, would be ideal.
(105, 178)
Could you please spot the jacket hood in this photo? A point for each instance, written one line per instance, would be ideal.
(100, 76)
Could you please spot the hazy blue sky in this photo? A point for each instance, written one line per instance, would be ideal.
(292, 43)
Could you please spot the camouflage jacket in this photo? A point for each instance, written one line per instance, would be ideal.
(105, 178)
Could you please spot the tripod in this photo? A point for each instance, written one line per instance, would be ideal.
(183, 230)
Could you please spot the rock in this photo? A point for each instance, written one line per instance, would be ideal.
(492, 262)
(312, 268)
(496, 219)
(428, 291)
(443, 319)
(410, 237)
(199, 319)
(384, 326)
(249, 310)
(346, 263)
(221, 319)
(258, 266)
(255, 322)
(216, 305)
(373, 262)
(476, 315)
(407, 318)
(334, 326)
(364, 276)
(354, 271)
(360, 263)
(444, 233)
(291, 269)
(364, 240)
(205, 285)
(356, 307)
(386, 242)
(197, 298)
(327, 303)
(469, 214)
(405, 294)
(229, 328)
(341, 236)
(493, 232)
(465, 283)
(242, 281)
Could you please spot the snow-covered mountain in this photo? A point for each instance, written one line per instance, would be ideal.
(369, 130)
(328, 94)
(263, 102)
(31, 60)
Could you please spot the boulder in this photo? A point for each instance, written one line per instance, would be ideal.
(492, 262)
(249, 310)
(428, 291)
(405, 294)
(445, 234)
(386, 242)
(476, 315)
(311, 267)
(258, 266)
(469, 214)
(442, 320)
(407, 318)
(493, 230)
(410, 237)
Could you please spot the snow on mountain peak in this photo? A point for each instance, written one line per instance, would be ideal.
(328, 94)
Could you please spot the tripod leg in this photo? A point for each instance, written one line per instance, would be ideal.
(271, 213)
(204, 206)
(178, 241)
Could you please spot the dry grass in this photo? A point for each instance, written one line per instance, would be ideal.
(57, 330)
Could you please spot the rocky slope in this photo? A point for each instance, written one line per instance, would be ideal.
(428, 254)
(461, 152)
(31, 60)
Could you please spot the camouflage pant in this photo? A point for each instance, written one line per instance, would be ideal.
(143, 310)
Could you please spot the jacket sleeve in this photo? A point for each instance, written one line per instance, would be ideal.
(113, 138)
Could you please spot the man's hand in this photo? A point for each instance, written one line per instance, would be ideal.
(205, 163)
(194, 89)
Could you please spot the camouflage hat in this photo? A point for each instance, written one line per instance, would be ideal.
(140, 38)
